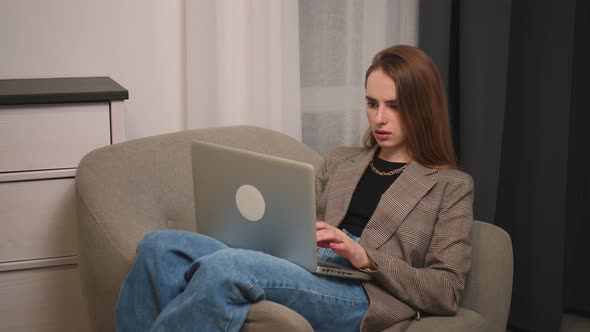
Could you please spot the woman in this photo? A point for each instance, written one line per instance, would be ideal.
(397, 208)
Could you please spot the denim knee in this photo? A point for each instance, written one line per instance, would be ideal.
(155, 242)
(227, 263)
(232, 270)
(224, 258)
(236, 257)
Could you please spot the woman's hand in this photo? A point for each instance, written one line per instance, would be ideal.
(329, 236)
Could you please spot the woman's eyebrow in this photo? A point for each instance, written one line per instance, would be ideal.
(391, 101)
(387, 102)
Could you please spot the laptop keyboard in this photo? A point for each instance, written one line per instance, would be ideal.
(322, 262)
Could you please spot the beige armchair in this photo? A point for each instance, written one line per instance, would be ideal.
(129, 189)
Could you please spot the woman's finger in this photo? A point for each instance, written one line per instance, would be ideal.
(323, 225)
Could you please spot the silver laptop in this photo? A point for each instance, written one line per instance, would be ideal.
(254, 201)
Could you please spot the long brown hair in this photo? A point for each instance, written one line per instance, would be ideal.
(422, 100)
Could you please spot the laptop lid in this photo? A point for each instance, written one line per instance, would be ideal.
(255, 201)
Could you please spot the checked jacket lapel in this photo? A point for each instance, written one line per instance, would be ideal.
(342, 185)
(395, 205)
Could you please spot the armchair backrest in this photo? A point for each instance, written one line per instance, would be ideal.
(489, 284)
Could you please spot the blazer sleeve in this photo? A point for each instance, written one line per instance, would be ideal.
(437, 287)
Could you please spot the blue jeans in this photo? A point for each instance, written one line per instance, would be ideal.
(184, 281)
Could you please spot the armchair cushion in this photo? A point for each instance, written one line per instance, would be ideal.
(464, 320)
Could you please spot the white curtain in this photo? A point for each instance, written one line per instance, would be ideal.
(338, 39)
(293, 66)
(243, 64)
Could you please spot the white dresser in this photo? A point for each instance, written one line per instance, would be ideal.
(46, 127)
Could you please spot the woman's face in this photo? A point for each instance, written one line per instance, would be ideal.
(384, 117)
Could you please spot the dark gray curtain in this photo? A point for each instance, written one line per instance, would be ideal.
(577, 246)
(469, 42)
(516, 72)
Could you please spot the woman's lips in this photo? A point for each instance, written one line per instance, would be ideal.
(382, 135)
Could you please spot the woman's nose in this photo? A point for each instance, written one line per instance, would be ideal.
(379, 116)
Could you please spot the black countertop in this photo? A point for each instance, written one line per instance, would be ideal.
(60, 90)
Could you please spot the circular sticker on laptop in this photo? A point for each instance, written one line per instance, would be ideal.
(250, 202)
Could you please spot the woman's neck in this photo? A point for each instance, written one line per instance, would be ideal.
(399, 156)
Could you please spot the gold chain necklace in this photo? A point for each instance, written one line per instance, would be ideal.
(390, 173)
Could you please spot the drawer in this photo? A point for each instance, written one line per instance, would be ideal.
(37, 137)
(37, 219)
(47, 299)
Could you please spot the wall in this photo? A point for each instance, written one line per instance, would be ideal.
(138, 43)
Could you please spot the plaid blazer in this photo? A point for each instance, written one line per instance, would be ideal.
(418, 236)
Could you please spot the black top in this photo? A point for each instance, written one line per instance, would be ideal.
(60, 90)
(367, 195)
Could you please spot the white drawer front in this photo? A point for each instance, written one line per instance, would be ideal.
(37, 219)
(36, 137)
(47, 299)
